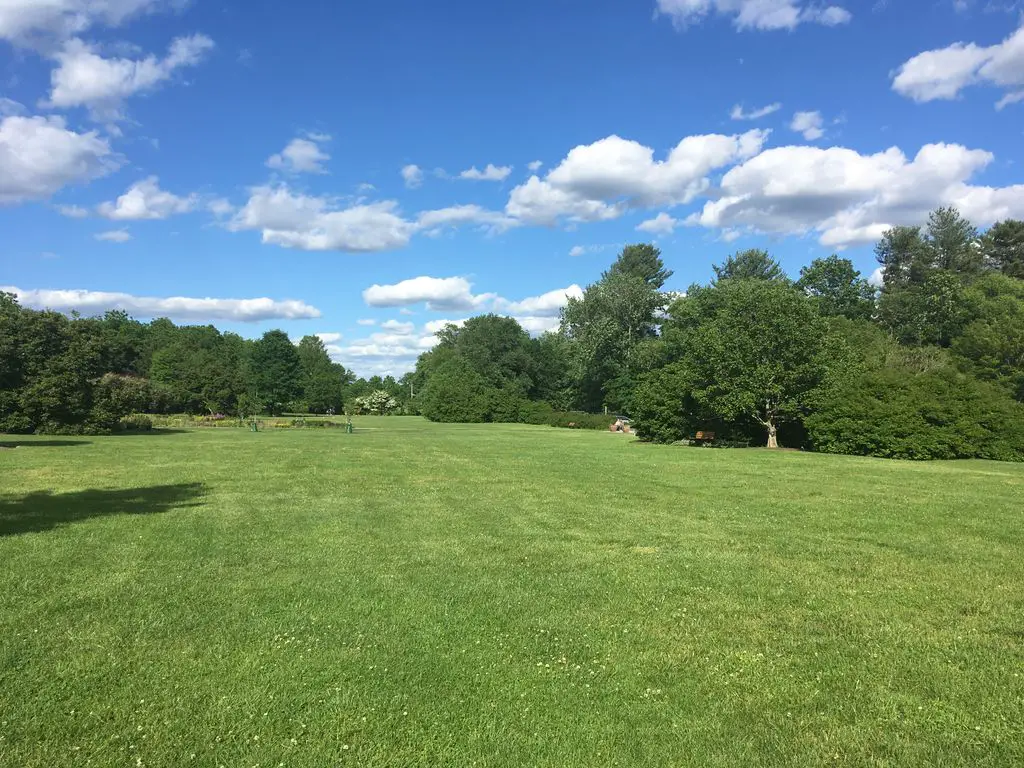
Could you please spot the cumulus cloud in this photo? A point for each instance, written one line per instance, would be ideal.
(83, 77)
(329, 338)
(490, 173)
(294, 220)
(145, 200)
(412, 175)
(114, 236)
(366, 321)
(848, 198)
(600, 181)
(808, 124)
(40, 155)
(577, 250)
(302, 155)
(737, 113)
(397, 326)
(176, 307)
(220, 207)
(546, 305)
(535, 165)
(494, 221)
(40, 22)
(438, 293)
(662, 224)
(753, 14)
(942, 73)
(442, 294)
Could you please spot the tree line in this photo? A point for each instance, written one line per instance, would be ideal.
(931, 365)
(62, 374)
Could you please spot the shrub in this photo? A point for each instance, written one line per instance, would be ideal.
(896, 412)
(136, 422)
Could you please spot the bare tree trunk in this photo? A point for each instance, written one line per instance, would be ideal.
(773, 440)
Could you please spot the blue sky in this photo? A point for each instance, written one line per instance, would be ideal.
(312, 165)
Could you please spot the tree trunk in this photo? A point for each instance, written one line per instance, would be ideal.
(773, 440)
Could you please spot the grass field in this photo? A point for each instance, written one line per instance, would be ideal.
(501, 595)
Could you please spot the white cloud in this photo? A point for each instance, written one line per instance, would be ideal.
(752, 14)
(83, 77)
(397, 326)
(114, 236)
(535, 165)
(294, 220)
(301, 156)
(538, 325)
(9, 107)
(40, 155)
(490, 173)
(413, 176)
(438, 293)
(366, 187)
(494, 221)
(329, 338)
(737, 113)
(942, 73)
(600, 181)
(32, 22)
(848, 198)
(73, 211)
(877, 278)
(808, 124)
(546, 305)
(577, 250)
(662, 224)
(177, 307)
(145, 200)
(433, 326)
(366, 321)
(220, 207)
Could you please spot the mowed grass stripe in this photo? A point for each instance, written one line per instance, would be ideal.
(418, 594)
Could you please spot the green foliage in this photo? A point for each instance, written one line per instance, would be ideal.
(455, 393)
(752, 348)
(321, 379)
(903, 411)
(136, 422)
(837, 288)
(641, 261)
(276, 371)
(1003, 248)
(751, 264)
(991, 346)
(606, 329)
(663, 408)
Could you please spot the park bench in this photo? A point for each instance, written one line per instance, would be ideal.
(704, 437)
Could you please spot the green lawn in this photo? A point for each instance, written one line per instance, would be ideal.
(501, 595)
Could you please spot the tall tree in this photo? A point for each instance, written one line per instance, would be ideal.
(751, 348)
(321, 379)
(837, 288)
(277, 372)
(1003, 247)
(752, 264)
(606, 329)
(642, 261)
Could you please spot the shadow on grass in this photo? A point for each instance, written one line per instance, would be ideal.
(37, 512)
(41, 443)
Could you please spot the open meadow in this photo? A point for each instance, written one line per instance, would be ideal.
(417, 594)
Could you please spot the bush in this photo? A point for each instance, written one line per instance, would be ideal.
(580, 420)
(896, 412)
(136, 422)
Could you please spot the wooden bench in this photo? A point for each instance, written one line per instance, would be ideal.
(704, 437)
